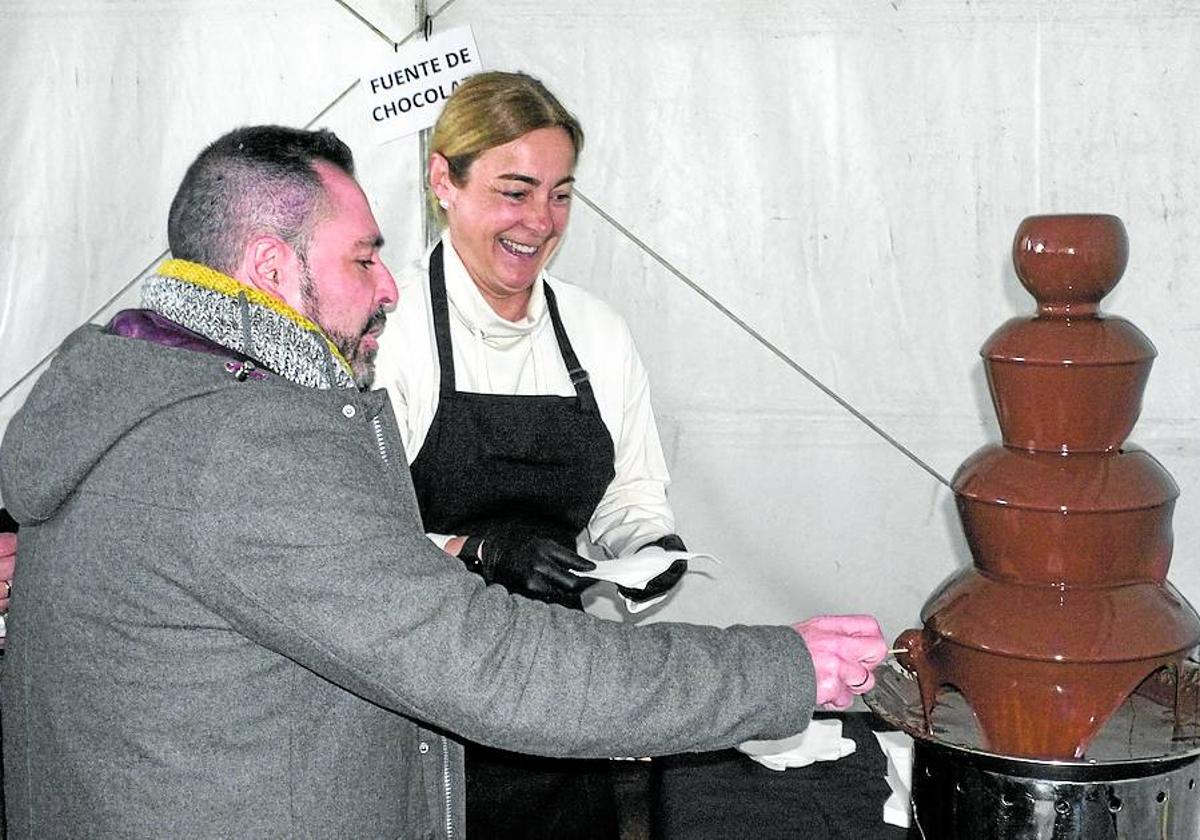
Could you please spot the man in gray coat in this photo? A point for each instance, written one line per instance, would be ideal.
(228, 621)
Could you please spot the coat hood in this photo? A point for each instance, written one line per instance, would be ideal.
(55, 439)
(145, 361)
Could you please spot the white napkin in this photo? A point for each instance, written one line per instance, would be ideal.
(636, 570)
(898, 747)
(821, 741)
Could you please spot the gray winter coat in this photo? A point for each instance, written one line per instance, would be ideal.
(229, 623)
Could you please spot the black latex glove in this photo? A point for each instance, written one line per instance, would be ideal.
(661, 583)
(533, 566)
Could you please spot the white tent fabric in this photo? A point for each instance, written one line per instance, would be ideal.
(845, 177)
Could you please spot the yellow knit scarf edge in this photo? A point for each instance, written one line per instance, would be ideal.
(208, 278)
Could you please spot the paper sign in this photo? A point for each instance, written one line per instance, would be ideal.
(405, 93)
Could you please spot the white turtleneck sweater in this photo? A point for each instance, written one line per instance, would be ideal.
(496, 356)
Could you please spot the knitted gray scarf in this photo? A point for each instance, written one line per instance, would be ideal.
(290, 349)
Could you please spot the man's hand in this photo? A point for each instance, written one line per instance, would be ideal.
(8, 561)
(845, 650)
(536, 567)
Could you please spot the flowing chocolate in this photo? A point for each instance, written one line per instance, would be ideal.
(1066, 609)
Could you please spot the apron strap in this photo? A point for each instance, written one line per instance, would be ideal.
(441, 331)
(579, 376)
(441, 320)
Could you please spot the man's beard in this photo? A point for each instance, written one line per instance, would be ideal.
(362, 363)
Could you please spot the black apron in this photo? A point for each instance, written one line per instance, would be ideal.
(532, 465)
(493, 463)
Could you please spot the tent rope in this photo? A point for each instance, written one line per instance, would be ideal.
(759, 337)
(424, 27)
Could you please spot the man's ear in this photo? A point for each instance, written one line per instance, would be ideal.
(273, 267)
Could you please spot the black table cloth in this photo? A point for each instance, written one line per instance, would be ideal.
(726, 796)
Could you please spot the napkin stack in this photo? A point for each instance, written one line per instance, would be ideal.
(898, 747)
(821, 741)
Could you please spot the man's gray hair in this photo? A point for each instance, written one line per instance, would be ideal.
(253, 181)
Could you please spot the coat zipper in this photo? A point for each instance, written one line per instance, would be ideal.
(446, 786)
(379, 440)
(381, 443)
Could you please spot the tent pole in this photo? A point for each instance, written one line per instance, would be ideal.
(430, 227)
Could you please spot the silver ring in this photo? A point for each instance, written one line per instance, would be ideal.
(7, 588)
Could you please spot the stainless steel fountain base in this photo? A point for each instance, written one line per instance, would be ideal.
(958, 793)
(1140, 780)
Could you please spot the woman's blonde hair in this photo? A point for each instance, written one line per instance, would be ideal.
(491, 109)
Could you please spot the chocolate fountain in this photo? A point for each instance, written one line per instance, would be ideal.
(1049, 692)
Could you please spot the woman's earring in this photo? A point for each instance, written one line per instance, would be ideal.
(444, 204)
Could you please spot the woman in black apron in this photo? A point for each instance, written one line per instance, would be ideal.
(515, 478)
